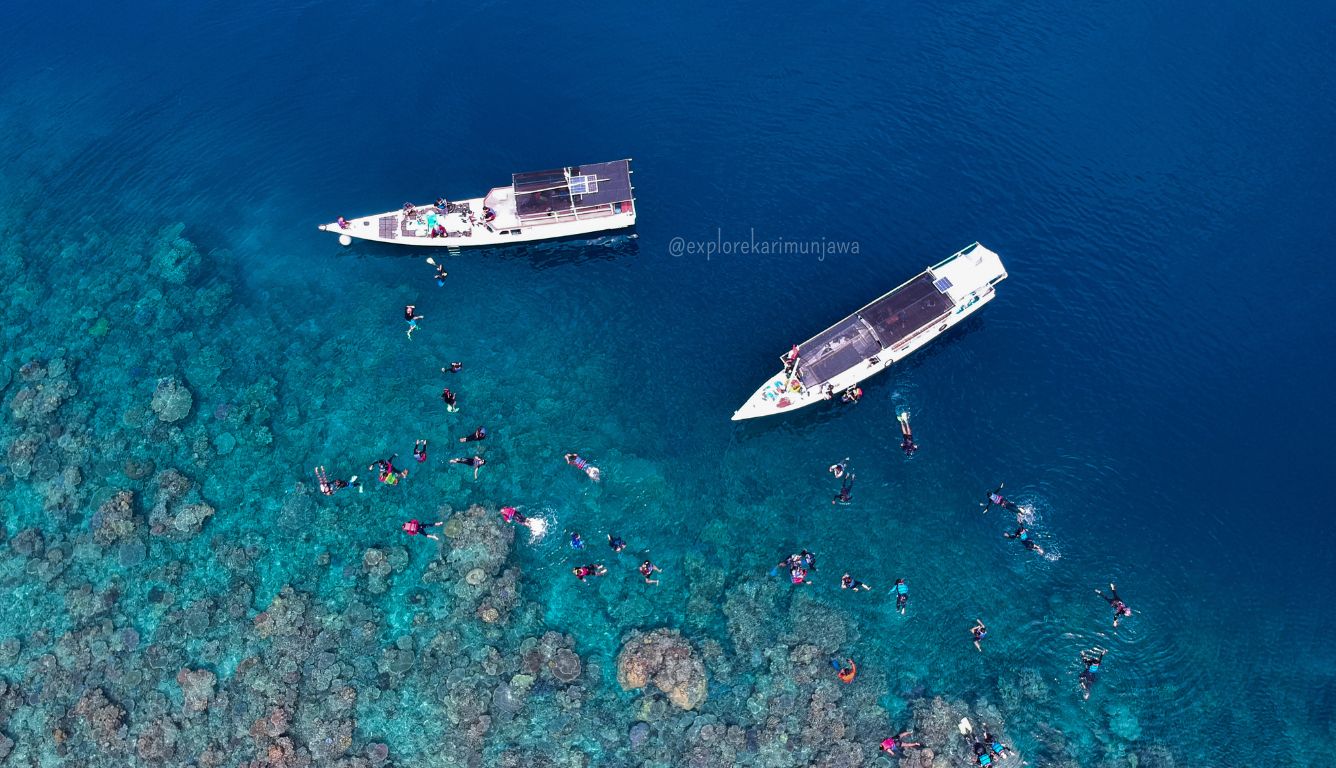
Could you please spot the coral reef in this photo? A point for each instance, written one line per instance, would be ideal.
(664, 658)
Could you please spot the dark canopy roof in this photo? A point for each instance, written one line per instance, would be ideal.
(581, 186)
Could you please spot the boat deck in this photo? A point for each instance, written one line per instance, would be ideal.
(878, 326)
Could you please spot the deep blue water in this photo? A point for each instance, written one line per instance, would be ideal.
(1153, 378)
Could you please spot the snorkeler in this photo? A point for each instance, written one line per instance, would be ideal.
(441, 275)
(852, 394)
(616, 542)
(901, 591)
(326, 487)
(1120, 608)
(979, 631)
(846, 672)
(411, 317)
(849, 582)
(891, 744)
(1091, 659)
(584, 466)
(584, 571)
(454, 368)
(449, 398)
(577, 542)
(995, 497)
(414, 528)
(478, 434)
(512, 515)
(1023, 534)
(907, 443)
(420, 450)
(648, 569)
(990, 741)
(807, 559)
(471, 461)
(798, 575)
(846, 490)
(838, 469)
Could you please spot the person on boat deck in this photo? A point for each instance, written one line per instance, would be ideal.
(411, 317)
(979, 631)
(450, 399)
(414, 528)
(839, 469)
(891, 744)
(1120, 608)
(616, 542)
(443, 204)
(791, 360)
(846, 490)
(343, 223)
(828, 392)
(1091, 659)
(995, 497)
(901, 591)
(488, 214)
(478, 434)
(907, 443)
(1023, 535)
(648, 569)
(420, 450)
(849, 582)
(471, 461)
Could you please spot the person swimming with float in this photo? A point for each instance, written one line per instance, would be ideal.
(852, 395)
(471, 461)
(846, 672)
(420, 450)
(849, 582)
(577, 541)
(901, 590)
(478, 434)
(995, 497)
(414, 528)
(1022, 534)
(1120, 609)
(897, 742)
(616, 542)
(979, 632)
(798, 575)
(592, 471)
(648, 569)
(839, 468)
(1091, 660)
(584, 571)
(411, 317)
(996, 747)
(449, 399)
(512, 515)
(907, 443)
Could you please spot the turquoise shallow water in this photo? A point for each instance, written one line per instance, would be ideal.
(1151, 380)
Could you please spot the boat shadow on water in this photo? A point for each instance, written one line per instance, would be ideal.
(546, 254)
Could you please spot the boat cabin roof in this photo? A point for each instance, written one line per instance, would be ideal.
(564, 190)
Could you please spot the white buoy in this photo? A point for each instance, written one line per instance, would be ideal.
(345, 240)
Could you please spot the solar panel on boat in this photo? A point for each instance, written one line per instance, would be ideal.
(583, 185)
(943, 284)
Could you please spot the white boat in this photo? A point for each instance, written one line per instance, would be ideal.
(881, 333)
(577, 201)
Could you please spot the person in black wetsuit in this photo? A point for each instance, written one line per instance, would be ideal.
(1023, 535)
(1091, 659)
(450, 400)
(995, 497)
(478, 434)
(907, 443)
(1120, 609)
(846, 490)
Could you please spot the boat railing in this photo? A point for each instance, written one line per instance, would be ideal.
(957, 254)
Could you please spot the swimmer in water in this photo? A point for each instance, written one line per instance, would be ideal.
(471, 461)
(512, 515)
(849, 582)
(901, 591)
(577, 542)
(441, 275)
(846, 490)
(807, 560)
(995, 497)
(846, 672)
(584, 571)
(1091, 659)
(454, 368)
(1023, 535)
(907, 443)
(1120, 609)
(478, 434)
(420, 450)
(989, 740)
(616, 542)
(414, 528)
(839, 469)
(411, 317)
(449, 399)
(326, 487)
(852, 395)
(979, 631)
(648, 569)
(897, 742)
(798, 575)
(592, 471)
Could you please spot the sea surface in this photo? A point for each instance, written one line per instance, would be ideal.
(1153, 382)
